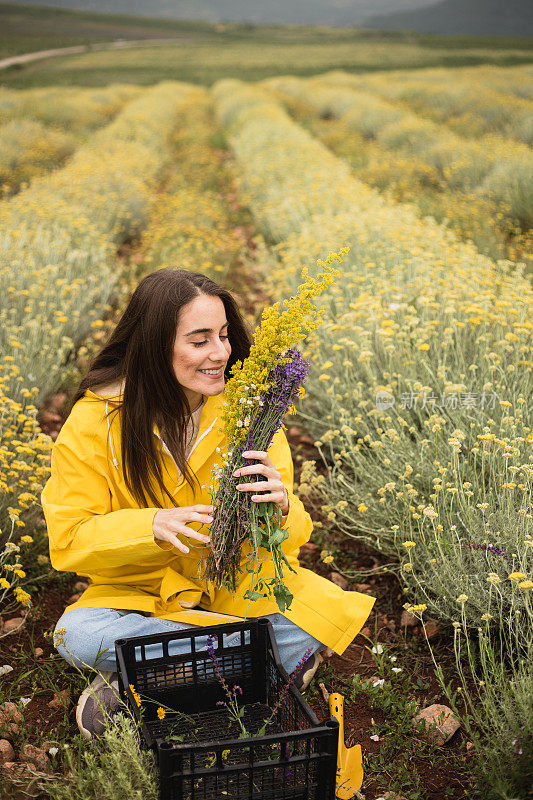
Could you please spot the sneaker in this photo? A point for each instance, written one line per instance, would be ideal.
(101, 694)
(304, 676)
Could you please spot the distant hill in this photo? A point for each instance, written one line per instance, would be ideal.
(274, 12)
(456, 17)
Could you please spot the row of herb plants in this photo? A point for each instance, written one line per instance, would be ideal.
(419, 404)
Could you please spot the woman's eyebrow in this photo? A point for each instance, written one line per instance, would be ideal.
(204, 330)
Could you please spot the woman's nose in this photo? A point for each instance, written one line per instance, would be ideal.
(219, 352)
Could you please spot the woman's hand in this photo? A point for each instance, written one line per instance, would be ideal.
(272, 484)
(168, 522)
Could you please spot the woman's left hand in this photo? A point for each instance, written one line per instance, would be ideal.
(277, 493)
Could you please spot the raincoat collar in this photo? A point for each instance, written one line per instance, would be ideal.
(210, 423)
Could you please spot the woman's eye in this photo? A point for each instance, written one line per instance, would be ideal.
(199, 344)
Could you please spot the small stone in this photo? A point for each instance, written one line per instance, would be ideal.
(48, 743)
(304, 438)
(392, 796)
(362, 587)
(408, 620)
(294, 431)
(6, 751)
(432, 628)
(309, 549)
(9, 712)
(35, 755)
(38, 652)
(13, 623)
(366, 631)
(73, 599)
(57, 400)
(339, 580)
(20, 768)
(49, 418)
(80, 586)
(438, 721)
(60, 699)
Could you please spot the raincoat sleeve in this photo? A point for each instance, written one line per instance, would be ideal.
(298, 522)
(85, 535)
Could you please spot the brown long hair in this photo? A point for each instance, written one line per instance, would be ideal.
(139, 351)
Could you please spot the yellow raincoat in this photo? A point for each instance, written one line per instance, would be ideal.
(97, 530)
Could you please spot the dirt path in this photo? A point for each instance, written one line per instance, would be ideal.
(84, 48)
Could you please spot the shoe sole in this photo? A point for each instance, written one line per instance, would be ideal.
(98, 682)
(309, 673)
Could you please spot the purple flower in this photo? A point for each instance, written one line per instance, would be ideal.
(488, 548)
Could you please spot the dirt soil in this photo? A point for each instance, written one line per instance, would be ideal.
(439, 778)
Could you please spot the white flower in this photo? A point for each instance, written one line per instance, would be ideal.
(25, 700)
(396, 669)
(393, 658)
(53, 751)
(5, 669)
(377, 649)
(379, 682)
(375, 737)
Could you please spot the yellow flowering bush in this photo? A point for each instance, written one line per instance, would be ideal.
(58, 237)
(492, 166)
(419, 400)
(42, 127)
(192, 225)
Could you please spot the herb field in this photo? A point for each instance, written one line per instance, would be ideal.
(412, 446)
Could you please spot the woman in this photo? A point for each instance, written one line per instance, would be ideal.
(127, 503)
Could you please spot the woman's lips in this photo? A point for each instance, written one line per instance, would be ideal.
(215, 376)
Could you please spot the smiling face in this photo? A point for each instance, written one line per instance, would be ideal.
(201, 347)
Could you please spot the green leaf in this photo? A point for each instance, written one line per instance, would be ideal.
(252, 595)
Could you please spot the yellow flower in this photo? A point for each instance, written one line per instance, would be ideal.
(26, 539)
(21, 574)
(420, 608)
(525, 585)
(4, 584)
(161, 713)
(277, 332)
(21, 595)
(407, 567)
(409, 544)
(362, 508)
(462, 598)
(486, 616)
(424, 346)
(517, 576)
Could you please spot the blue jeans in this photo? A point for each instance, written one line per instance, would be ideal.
(90, 630)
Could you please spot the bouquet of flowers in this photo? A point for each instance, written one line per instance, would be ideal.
(260, 392)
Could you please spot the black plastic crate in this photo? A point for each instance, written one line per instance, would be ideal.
(295, 760)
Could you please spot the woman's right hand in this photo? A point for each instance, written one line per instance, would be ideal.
(168, 522)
